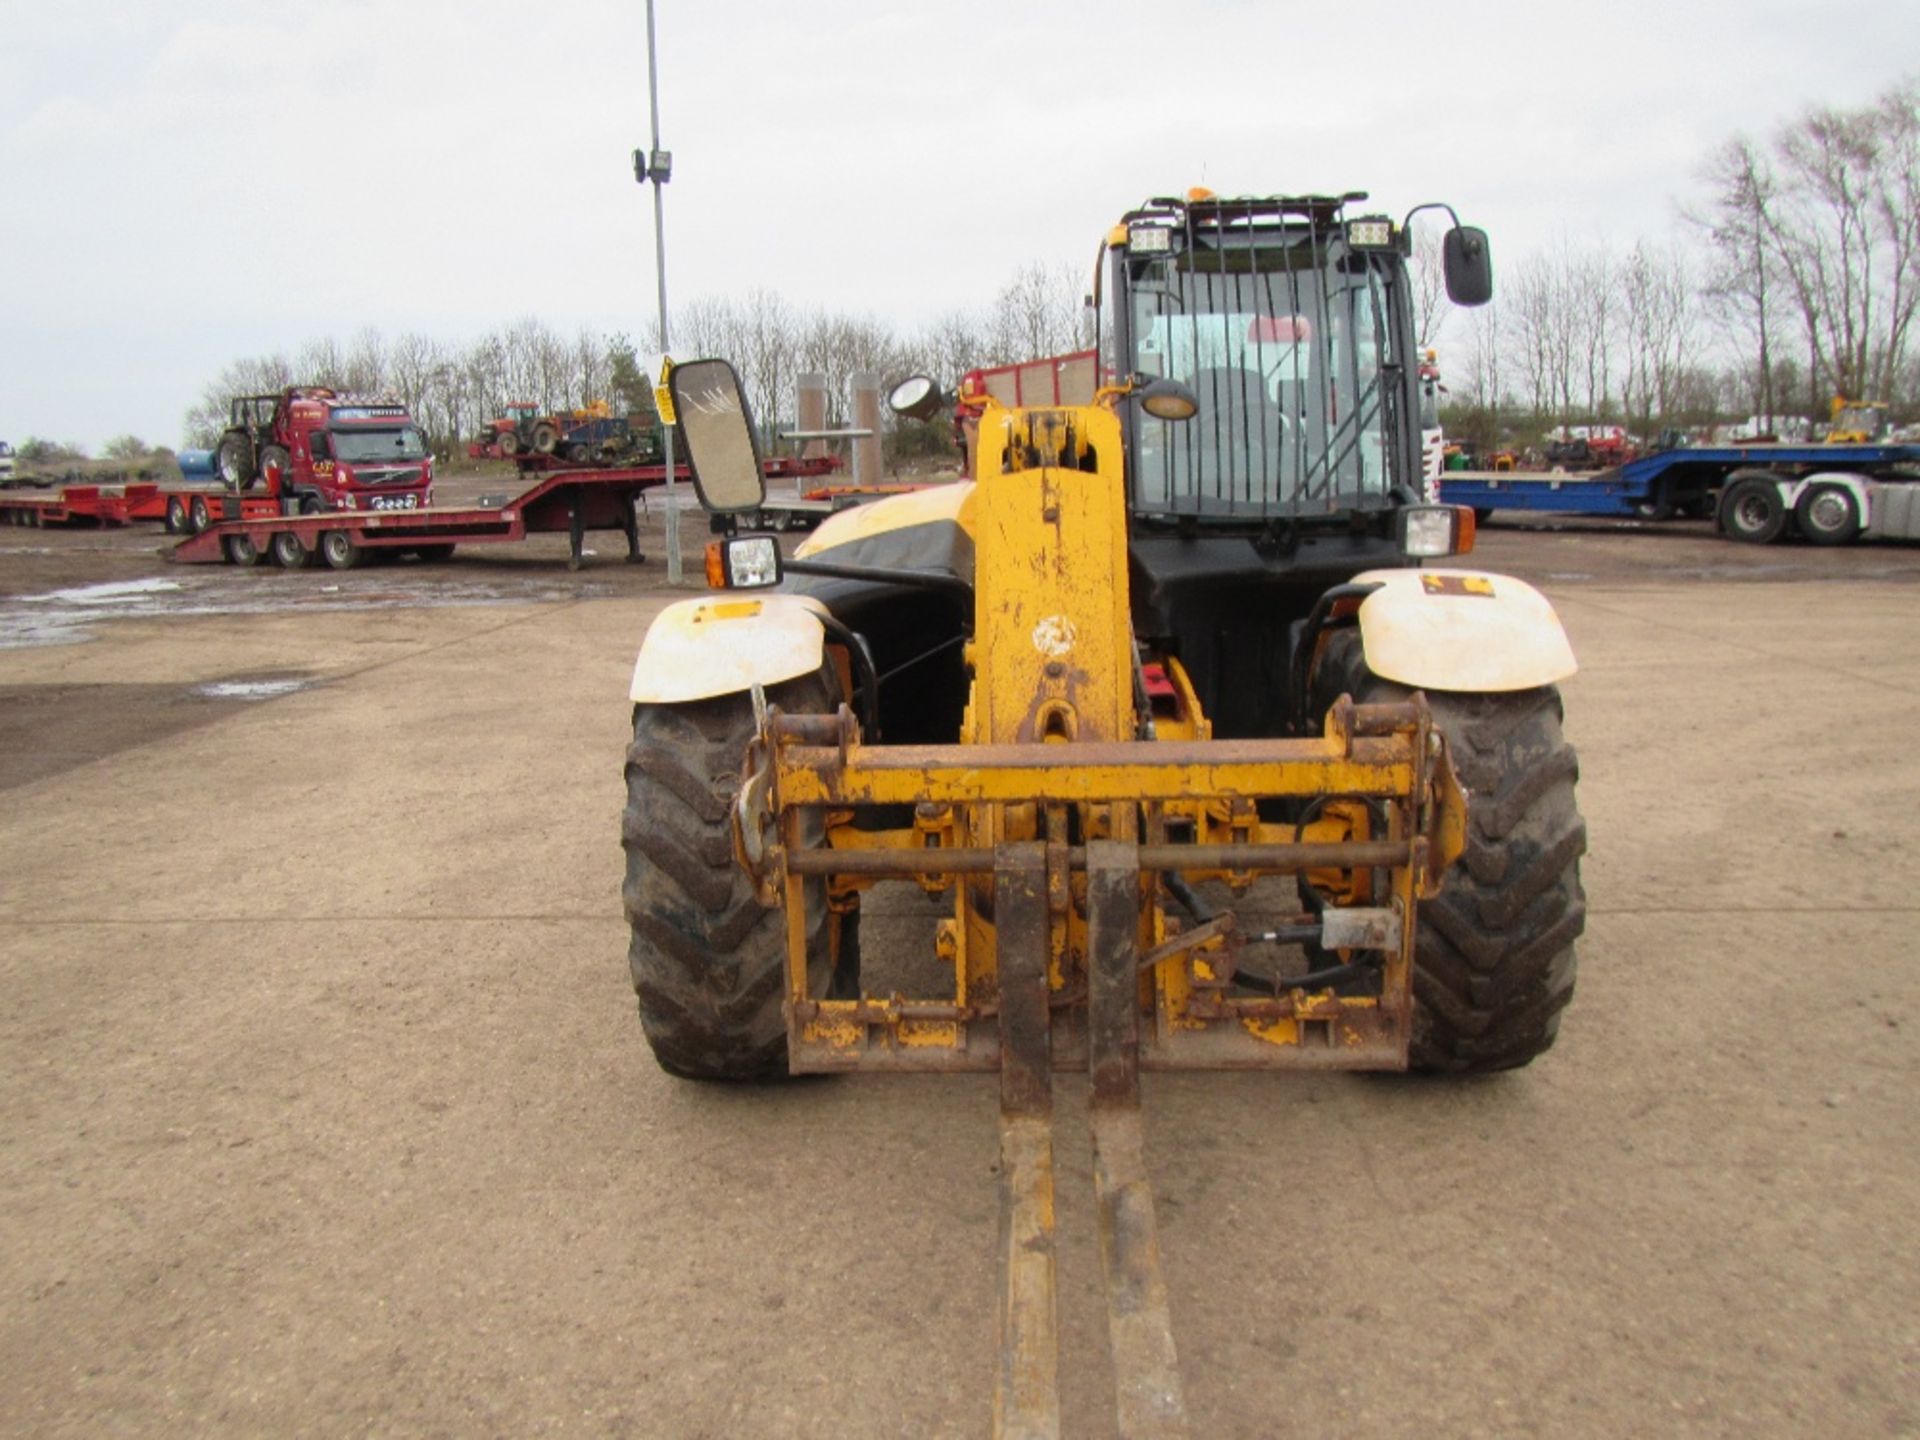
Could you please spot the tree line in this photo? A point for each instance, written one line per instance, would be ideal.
(1792, 279)
(453, 388)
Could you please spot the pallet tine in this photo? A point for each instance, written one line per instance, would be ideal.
(1026, 1397)
(1148, 1401)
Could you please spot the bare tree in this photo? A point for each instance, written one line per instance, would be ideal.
(1430, 304)
(1743, 284)
(1661, 321)
(1842, 224)
(1040, 311)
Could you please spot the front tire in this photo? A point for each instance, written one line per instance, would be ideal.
(274, 465)
(1493, 954)
(708, 961)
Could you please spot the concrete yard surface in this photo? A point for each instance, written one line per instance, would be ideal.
(327, 1110)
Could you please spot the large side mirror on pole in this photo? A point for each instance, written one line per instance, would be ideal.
(721, 446)
(1469, 266)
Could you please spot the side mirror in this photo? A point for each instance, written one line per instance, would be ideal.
(916, 397)
(1469, 266)
(320, 445)
(721, 446)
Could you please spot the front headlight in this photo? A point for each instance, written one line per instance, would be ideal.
(1430, 531)
(743, 562)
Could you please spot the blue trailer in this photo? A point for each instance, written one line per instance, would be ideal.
(1829, 494)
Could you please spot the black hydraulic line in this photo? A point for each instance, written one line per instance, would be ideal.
(924, 655)
(1313, 980)
(1303, 653)
(1188, 897)
(865, 675)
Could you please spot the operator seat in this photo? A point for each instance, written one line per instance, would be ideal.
(1238, 435)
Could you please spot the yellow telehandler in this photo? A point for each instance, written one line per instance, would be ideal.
(1198, 760)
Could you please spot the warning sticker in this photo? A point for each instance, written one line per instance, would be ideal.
(1457, 585)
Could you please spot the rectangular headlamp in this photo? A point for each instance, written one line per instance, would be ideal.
(1371, 234)
(1430, 531)
(743, 562)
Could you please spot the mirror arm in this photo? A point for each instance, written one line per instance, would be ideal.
(1432, 205)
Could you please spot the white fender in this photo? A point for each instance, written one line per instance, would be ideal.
(1462, 630)
(725, 644)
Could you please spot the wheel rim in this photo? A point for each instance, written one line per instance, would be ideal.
(1752, 512)
(1829, 510)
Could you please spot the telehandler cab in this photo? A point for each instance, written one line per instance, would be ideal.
(1164, 648)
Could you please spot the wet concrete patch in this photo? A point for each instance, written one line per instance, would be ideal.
(46, 730)
(70, 615)
(250, 689)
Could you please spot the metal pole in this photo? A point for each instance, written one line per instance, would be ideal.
(660, 270)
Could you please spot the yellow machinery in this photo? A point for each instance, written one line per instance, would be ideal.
(1856, 422)
(1168, 655)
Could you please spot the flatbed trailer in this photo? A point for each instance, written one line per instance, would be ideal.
(808, 508)
(1831, 494)
(69, 505)
(247, 530)
(176, 503)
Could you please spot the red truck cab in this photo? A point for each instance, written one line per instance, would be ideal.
(314, 449)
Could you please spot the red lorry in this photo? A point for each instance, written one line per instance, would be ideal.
(316, 450)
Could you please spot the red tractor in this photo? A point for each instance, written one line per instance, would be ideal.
(320, 450)
(521, 430)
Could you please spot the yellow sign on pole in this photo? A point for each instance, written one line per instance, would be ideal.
(662, 396)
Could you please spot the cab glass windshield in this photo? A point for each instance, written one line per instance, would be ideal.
(1283, 346)
(370, 446)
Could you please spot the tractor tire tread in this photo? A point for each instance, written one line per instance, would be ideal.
(708, 960)
(1494, 959)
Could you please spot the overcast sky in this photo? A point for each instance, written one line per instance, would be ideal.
(187, 183)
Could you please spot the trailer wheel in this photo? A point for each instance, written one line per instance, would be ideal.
(234, 461)
(242, 550)
(545, 438)
(1493, 953)
(1751, 508)
(199, 514)
(177, 518)
(708, 962)
(578, 454)
(339, 551)
(290, 552)
(1828, 515)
